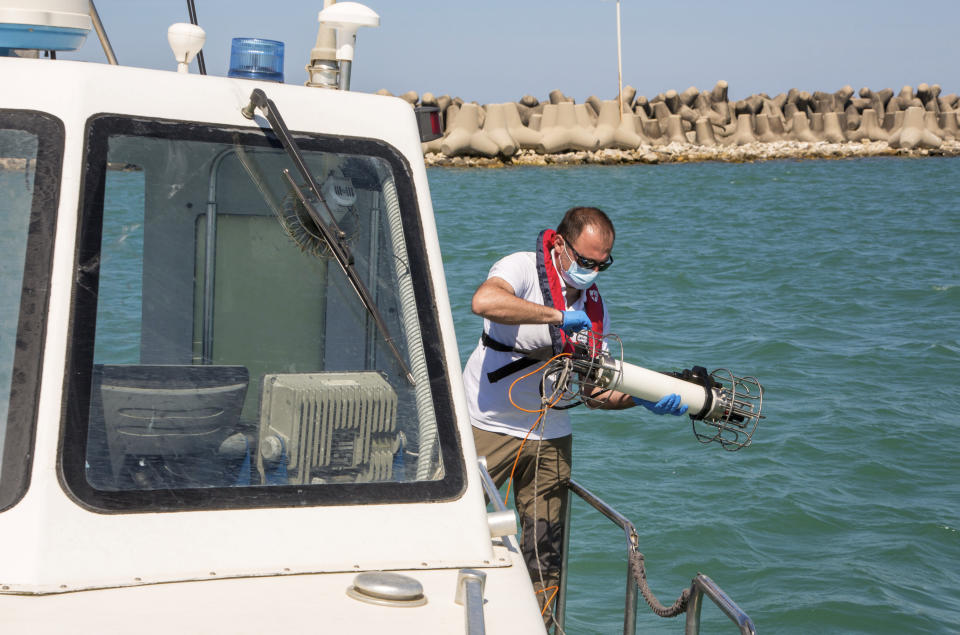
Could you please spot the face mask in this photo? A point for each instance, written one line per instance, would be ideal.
(577, 276)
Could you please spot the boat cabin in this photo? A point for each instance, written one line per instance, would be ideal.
(197, 385)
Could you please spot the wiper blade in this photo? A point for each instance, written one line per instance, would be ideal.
(342, 255)
(330, 232)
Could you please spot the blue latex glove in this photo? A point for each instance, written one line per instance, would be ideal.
(669, 405)
(574, 321)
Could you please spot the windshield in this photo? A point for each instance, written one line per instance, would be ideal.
(31, 149)
(220, 349)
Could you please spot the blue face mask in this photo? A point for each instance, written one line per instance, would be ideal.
(577, 276)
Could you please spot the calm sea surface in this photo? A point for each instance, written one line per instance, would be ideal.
(837, 284)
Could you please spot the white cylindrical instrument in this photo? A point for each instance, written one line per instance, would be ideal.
(722, 406)
(653, 386)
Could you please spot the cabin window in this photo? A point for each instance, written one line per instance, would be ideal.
(31, 150)
(221, 354)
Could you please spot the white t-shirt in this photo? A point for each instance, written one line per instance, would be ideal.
(489, 404)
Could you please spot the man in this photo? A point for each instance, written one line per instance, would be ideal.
(535, 300)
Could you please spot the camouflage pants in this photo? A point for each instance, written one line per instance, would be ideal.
(541, 505)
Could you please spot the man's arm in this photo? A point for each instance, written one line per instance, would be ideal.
(609, 400)
(670, 404)
(497, 301)
(613, 400)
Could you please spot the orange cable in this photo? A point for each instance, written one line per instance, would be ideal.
(532, 372)
(542, 412)
(546, 605)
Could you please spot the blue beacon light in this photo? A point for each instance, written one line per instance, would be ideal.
(256, 58)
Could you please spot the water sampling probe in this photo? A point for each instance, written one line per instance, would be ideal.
(723, 407)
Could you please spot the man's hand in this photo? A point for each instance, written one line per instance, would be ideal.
(669, 405)
(574, 321)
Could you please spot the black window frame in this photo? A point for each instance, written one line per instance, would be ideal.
(21, 424)
(83, 310)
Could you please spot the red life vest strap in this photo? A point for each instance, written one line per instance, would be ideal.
(552, 289)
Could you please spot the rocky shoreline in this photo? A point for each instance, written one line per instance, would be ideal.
(694, 125)
(689, 153)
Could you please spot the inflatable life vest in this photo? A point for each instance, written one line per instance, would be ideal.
(552, 288)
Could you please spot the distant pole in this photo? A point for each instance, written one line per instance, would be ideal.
(619, 65)
(192, 10)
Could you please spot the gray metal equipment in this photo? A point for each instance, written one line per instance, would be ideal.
(329, 427)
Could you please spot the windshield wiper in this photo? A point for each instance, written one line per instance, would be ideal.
(329, 231)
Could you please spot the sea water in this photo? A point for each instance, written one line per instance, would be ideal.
(836, 284)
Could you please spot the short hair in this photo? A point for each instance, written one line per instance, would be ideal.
(578, 218)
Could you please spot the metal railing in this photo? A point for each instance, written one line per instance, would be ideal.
(701, 585)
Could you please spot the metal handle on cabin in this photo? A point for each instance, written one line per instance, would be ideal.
(489, 487)
(470, 585)
(502, 522)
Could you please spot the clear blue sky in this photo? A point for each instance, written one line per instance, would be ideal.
(499, 50)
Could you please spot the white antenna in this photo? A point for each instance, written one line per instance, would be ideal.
(346, 18)
(186, 40)
(323, 68)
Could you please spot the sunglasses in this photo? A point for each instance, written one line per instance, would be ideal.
(588, 263)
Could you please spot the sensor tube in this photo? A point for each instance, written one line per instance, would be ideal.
(650, 385)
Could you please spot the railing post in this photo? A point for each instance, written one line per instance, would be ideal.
(630, 607)
(703, 585)
(694, 605)
(560, 606)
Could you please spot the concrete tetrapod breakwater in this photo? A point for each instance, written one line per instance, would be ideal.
(694, 125)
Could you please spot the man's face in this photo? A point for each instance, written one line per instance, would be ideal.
(591, 249)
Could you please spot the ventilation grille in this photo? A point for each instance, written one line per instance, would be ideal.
(336, 427)
(339, 191)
